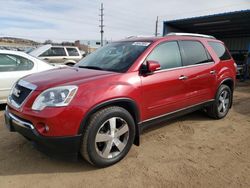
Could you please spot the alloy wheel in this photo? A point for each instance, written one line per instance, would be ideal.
(112, 137)
(223, 103)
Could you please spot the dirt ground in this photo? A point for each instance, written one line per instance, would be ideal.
(191, 151)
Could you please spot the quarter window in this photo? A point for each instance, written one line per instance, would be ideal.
(72, 52)
(54, 51)
(9, 62)
(193, 52)
(167, 54)
(220, 50)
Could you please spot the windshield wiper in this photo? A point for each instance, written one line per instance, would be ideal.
(91, 67)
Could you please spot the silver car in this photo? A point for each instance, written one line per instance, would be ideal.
(68, 55)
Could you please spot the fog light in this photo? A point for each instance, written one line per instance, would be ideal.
(42, 128)
(46, 128)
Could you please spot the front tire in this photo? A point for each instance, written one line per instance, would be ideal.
(108, 136)
(222, 103)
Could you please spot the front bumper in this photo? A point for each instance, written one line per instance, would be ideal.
(65, 147)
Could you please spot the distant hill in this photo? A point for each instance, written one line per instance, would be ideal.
(17, 41)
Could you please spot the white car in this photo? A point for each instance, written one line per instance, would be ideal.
(67, 55)
(14, 65)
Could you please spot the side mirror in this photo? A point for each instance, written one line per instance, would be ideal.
(153, 66)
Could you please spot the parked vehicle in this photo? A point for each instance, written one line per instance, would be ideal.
(68, 55)
(100, 106)
(241, 59)
(14, 65)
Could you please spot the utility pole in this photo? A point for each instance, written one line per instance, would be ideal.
(101, 26)
(88, 52)
(156, 27)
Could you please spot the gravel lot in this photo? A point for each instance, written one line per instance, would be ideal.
(191, 151)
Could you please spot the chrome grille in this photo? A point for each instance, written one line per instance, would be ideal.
(20, 92)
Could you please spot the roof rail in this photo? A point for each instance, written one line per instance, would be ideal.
(139, 36)
(190, 34)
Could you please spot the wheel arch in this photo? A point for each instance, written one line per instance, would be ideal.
(230, 83)
(69, 62)
(126, 103)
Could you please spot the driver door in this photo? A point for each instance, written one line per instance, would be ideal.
(163, 91)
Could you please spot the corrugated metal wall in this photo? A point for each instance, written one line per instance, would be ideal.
(237, 43)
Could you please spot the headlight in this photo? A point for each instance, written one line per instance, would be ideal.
(55, 97)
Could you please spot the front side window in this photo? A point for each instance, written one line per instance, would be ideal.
(117, 56)
(220, 50)
(9, 62)
(72, 52)
(193, 52)
(54, 51)
(167, 55)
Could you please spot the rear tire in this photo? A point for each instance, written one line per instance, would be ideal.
(222, 103)
(108, 136)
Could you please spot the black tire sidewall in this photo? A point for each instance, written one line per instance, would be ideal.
(95, 158)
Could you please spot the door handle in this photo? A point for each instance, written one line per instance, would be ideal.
(212, 72)
(182, 77)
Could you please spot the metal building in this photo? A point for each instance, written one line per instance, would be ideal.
(233, 28)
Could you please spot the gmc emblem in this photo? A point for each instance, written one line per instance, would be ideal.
(16, 92)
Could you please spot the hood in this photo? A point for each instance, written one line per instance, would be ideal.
(38, 51)
(65, 76)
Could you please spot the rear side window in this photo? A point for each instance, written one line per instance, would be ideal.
(54, 51)
(193, 52)
(220, 50)
(72, 52)
(167, 54)
(9, 62)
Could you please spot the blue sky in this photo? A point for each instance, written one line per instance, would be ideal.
(66, 20)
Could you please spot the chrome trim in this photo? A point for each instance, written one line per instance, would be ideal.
(183, 77)
(212, 72)
(182, 67)
(175, 111)
(19, 122)
(13, 103)
(27, 84)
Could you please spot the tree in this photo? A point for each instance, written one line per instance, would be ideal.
(48, 42)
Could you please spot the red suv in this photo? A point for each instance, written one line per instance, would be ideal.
(99, 107)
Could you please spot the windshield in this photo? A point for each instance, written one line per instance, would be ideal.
(117, 56)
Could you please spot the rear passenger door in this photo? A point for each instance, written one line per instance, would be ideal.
(163, 91)
(199, 72)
